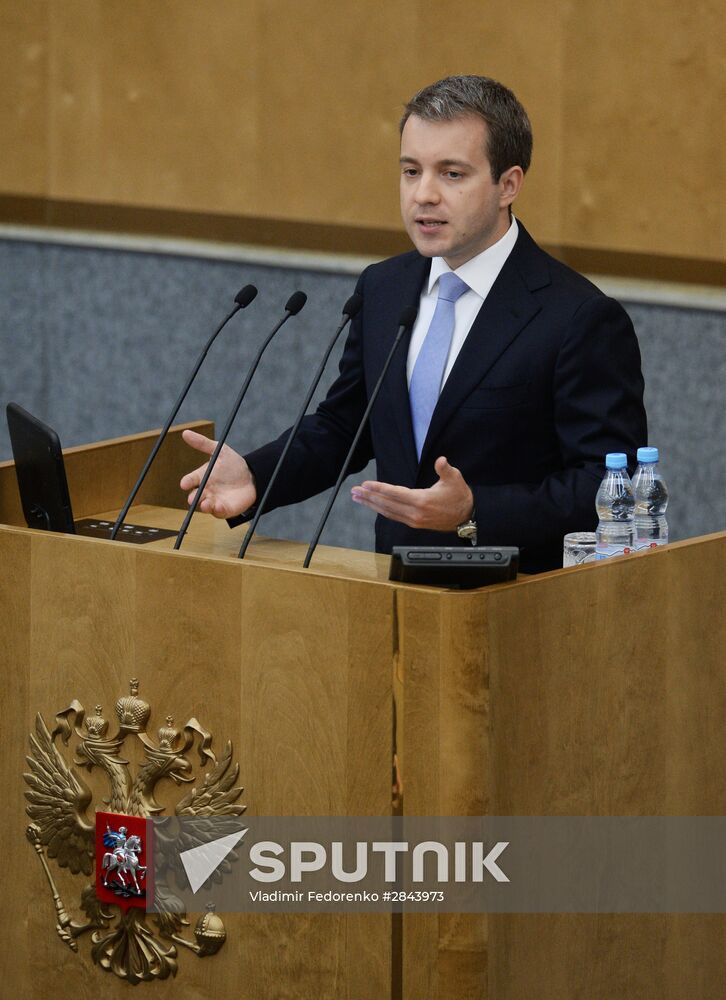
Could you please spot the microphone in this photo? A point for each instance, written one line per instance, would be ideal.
(242, 299)
(405, 322)
(292, 307)
(350, 309)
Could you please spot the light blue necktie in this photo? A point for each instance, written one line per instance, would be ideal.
(428, 372)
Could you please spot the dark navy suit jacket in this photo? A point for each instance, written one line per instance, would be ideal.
(547, 381)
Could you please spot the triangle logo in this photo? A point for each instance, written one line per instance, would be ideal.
(201, 862)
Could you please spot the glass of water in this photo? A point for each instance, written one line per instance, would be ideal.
(579, 548)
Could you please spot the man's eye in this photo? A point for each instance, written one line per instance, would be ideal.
(454, 175)
(409, 171)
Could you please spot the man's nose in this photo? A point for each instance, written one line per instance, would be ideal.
(427, 190)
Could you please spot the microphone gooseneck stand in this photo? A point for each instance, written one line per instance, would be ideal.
(293, 306)
(242, 299)
(350, 309)
(406, 321)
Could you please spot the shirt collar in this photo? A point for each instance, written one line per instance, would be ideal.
(481, 271)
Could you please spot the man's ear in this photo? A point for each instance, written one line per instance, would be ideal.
(510, 184)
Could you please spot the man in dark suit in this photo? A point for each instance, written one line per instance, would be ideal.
(519, 375)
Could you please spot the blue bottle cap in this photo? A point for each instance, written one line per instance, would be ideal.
(616, 460)
(647, 454)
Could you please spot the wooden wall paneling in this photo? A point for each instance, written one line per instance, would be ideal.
(154, 104)
(644, 89)
(280, 112)
(159, 106)
(24, 122)
(519, 44)
(328, 123)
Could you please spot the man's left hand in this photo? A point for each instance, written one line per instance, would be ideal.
(442, 507)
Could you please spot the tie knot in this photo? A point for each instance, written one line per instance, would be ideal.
(451, 287)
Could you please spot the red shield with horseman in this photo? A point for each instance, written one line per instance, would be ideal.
(123, 859)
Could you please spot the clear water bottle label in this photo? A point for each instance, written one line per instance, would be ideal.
(606, 550)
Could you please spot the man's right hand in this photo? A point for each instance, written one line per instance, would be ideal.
(231, 487)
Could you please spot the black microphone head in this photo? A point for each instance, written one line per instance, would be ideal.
(295, 303)
(408, 316)
(352, 306)
(245, 295)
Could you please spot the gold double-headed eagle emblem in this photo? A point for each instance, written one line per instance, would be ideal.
(63, 827)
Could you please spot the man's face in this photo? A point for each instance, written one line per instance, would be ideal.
(450, 205)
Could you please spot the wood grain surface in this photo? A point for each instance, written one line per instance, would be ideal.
(597, 690)
(281, 111)
(593, 691)
(284, 667)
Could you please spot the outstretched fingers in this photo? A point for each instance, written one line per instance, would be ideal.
(440, 507)
(199, 441)
(395, 502)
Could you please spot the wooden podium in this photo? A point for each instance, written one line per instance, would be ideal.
(599, 690)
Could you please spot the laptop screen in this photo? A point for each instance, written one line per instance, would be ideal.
(41, 472)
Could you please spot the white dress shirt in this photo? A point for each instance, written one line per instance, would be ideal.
(479, 273)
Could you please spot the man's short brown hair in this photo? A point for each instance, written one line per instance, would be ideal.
(509, 128)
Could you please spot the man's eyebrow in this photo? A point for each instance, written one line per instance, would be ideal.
(454, 163)
(441, 163)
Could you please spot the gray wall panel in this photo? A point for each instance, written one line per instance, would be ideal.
(684, 364)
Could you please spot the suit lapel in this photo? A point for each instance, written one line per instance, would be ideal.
(507, 309)
(395, 387)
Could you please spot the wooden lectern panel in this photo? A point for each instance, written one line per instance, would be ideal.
(285, 667)
(596, 690)
(284, 664)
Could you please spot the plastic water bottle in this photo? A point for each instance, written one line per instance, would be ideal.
(651, 500)
(614, 503)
